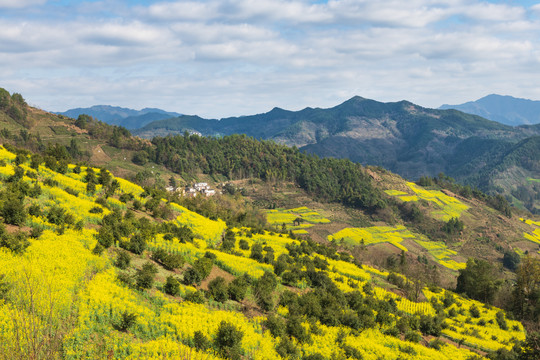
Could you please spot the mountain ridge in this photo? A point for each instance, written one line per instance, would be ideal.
(121, 116)
(505, 109)
(405, 138)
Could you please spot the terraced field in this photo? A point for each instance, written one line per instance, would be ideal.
(448, 207)
(441, 253)
(307, 218)
(373, 235)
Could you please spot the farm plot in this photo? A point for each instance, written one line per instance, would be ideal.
(373, 235)
(448, 206)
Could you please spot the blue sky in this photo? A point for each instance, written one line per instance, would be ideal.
(237, 57)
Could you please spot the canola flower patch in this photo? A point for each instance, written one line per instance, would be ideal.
(7, 170)
(190, 251)
(483, 332)
(129, 187)
(441, 253)
(287, 216)
(277, 242)
(183, 319)
(51, 269)
(65, 181)
(404, 304)
(449, 206)
(373, 345)
(348, 269)
(238, 265)
(534, 236)
(373, 235)
(165, 348)
(79, 205)
(6, 155)
(204, 228)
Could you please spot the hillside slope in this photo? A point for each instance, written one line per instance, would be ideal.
(111, 270)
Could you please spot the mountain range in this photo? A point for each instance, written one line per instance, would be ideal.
(114, 115)
(504, 109)
(405, 138)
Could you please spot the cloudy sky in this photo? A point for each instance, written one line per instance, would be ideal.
(237, 57)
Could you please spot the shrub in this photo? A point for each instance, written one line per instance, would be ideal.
(34, 210)
(264, 290)
(295, 329)
(275, 324)
(430, 325)
(238, 288)
(436, 344)
(511, 260)
(169, 261)
(172, 286)
(137, 244)
(105, 237)
(286, 349)
(96, 210)
(243, 244)
(413, 336)
(123, 259)
(144, 277)
(98, 249)
(256, 252)
(474, 311)
(127, 320)
(203, 266)
(17, 242)
(59, 216)
(13, 210)
(501, 320)
(228, 340)
(217, 289)
(192, 277)
(200, 341)
(196, 297)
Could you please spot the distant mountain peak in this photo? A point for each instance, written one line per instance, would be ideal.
(505, 109)
(116, 115)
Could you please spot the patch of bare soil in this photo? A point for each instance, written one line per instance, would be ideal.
(216, 271)
(251, 310)
(99, 156)
(11, 229)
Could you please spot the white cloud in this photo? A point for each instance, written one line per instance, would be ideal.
(180, 10)
(17, 4)
(219, 58)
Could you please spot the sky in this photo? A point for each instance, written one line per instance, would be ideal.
(240, 57)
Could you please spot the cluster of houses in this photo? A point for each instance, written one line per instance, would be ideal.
(192, 191)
